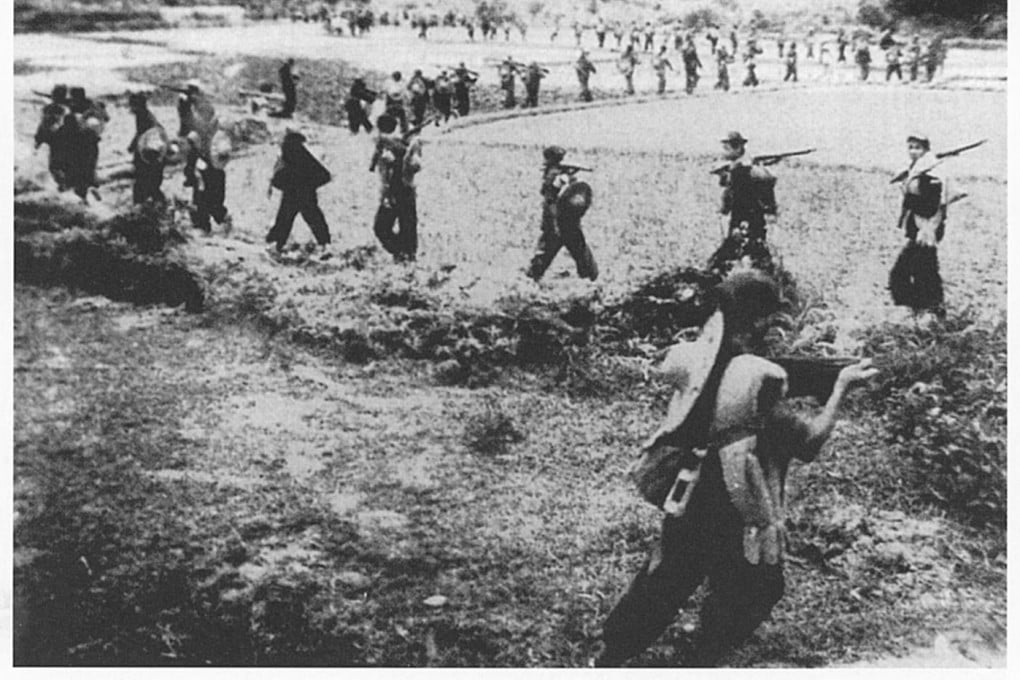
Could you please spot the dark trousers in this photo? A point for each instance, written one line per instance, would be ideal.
(443, 106)
(463, 97)
(400, 114)
(893, 69)
(509, 98)
(289, 104)
(80, 169)
(751, 80)
(418, 107)
(209, 200)
(357, 118)
(692, 80)
(601, 38)
(865, 71)
(791, 73)
(148, 178)
(530, 97)
(915, 280)
(706, 543)
(403, 210)
(292, 203)
(567, 234)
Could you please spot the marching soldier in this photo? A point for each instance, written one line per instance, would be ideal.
(90, 118)
(419, 89)
(578, 32)
(532, 82)
(507, 73)
(398, 161)
(618, 33)
(863, 59)
(288, 83)
(841, 44)
(649, 36)
(298, 175)
(791, 63)
(357, 98)
(723, 60)
(464, 79)
(600, 32)
(564, 202)
(915, 280)
(717, 467)
(892, 63)
(55, 130)
(749, 200)
(210, 185)
(914, 57)
(751, 68)
(148, 148)
(691, 64)
(626, 64)
(442, 96)
(199, 122)
(659, 64)
(394, 91)
(584, 68)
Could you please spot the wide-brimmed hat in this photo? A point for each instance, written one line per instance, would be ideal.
(734, 138)
(574, 200)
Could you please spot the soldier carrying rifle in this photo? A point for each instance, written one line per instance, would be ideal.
(397, 158)
(358, 98)
(717, 467)
(463, 79)
(508, 69)
(584, 69)
(564, 202)
(55, 131)
(750, 202)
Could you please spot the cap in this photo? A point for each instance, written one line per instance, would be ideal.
(734, 138)
(292, 136)
(920, 139)
(554, 154)
(193, 84)
(59, 92)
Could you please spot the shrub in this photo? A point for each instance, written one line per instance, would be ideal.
(943, 393)
(872, 15)
(492, 430)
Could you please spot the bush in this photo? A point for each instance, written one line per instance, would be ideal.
(943, 394)
(492, 431)
(872, 15)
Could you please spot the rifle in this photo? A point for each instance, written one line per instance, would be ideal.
(812, 376)
(468, 71)
(767, 159)
(572, 169)
(952, 153)
(257, 93)
(45, 95)
(174, 88)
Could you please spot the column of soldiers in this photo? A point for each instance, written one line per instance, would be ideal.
(72, 126)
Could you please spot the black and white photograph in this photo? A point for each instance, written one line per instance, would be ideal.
(519, 334)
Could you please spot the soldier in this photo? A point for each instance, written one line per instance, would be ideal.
(915, 280)
(750, 201)
(914, 57)
(394, 91)
(933, 58)
(398, 162)
(863, 59)
(288, 80)
(626, 64)
(635, 35)
(712, 36)
(507, 71)
(197, 115)
(659, 64)
(841, 43)
(298, 175)
(418, 87)
(734, 43)
(791, 63)
(463, 80)
(751, 67)
(810, 43)
(532, 82)
(723, 61)
(442, 96)
(148, 148)
(584, 68)
(691, 64)
(892, 63)
(563, 204)
(83, 152)
(578, 32)
(357, 98)
(618, 34)
(717, 466)
(649, 36)
(600, 32)
(210, 185)
(55, 130)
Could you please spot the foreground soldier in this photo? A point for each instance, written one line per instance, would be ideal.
(148, 149)
(749, 200)
(915, 280)
(54, 130)
(584, 68)
(398, 161)
(717, 466)
(563, 204)
(298, 175)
